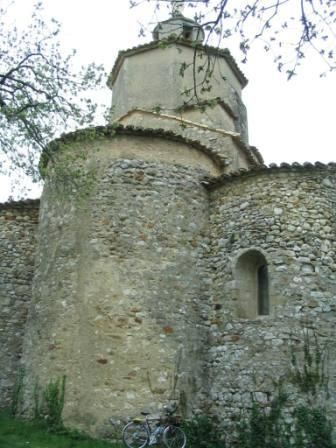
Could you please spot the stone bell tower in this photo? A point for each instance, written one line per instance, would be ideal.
(121, 283)
(158, 274)
(177, 83)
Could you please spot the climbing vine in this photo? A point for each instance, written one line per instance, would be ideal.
(287, 422)
(309, 373)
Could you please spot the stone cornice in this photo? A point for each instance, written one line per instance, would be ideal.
(180, 120)
(209, 50)
(251, 152)
(90, 134)
(21, 204)
(216, 182)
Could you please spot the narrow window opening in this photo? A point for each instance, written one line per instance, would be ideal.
(263, 301)
(252, 285)
(187, 32)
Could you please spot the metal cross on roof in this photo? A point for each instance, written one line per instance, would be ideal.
(178, 5)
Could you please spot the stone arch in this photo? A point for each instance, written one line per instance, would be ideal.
(252, 280)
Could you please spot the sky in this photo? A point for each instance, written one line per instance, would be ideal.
(288, 120)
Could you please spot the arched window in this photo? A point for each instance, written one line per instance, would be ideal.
(252, 284)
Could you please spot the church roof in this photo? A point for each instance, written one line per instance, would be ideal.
(273, 168)
(20, 204)
(117, 129)
(252, 153)
(209, 50)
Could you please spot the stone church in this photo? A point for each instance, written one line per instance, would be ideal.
(164, 260)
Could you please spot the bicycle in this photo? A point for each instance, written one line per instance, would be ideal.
(139, 433)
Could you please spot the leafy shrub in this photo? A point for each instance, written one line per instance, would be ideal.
(48, 404)
(309, 427)
(54, 402)
(202, 432)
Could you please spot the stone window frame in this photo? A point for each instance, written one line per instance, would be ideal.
(252, 296)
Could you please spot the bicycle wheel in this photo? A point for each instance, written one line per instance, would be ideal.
(135, 435)
(174, 437)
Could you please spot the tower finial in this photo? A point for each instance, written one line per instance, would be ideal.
(177, 8)
(177, 25)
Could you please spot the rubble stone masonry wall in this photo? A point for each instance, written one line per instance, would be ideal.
(119, 281)
(158, 277)
(18, 223)
(283, 218)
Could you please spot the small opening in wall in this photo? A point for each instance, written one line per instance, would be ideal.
(263, 300)
(252, 285)
(187, 32)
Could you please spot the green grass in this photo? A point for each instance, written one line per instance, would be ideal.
(29, 434)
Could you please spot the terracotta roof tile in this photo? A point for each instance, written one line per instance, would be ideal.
(224, 52)
(213, 183)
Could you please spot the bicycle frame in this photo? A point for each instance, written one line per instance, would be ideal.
(148, 420)
(141, 432)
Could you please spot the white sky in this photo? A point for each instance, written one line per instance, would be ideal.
(288, 120)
